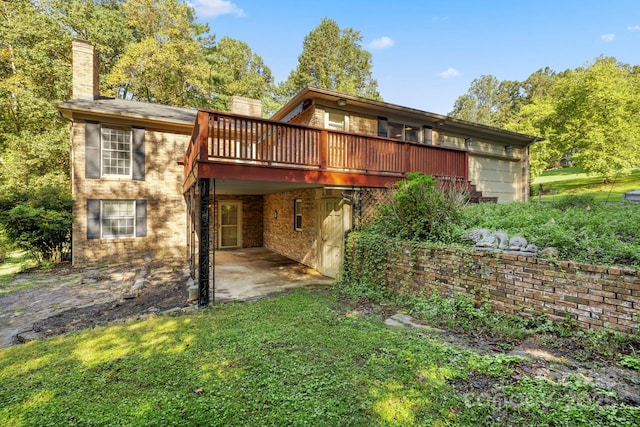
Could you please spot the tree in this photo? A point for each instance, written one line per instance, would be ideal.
(488, 101)
(103, 23)
(596, 117)
(34, 141)
(165, 64)
(332, 58)
(235, 70)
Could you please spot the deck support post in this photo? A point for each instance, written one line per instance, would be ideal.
(204, 242)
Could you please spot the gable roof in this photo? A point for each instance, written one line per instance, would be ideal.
(438, 121)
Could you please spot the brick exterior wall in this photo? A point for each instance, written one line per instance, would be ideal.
(595, 297)
(162, 188)
(360, 123)
(279, 233)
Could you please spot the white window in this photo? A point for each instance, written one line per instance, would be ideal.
(336, 120)
(118, 218)
(297, 215)
(116, 151)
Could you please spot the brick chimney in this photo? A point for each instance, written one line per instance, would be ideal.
(86, 70)
(246, 106)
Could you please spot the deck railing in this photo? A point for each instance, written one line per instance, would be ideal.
(226, 138)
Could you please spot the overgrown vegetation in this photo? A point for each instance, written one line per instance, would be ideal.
(299, 359)
(421, 210)
(581, 229)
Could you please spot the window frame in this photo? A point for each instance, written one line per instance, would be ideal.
(103, 149)
(104, 218)
(386, 127)
(297, 215)
(344, 114)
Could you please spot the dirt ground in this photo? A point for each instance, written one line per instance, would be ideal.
(164, 290)
(66, 299)
(119, 293)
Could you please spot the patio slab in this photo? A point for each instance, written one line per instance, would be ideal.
(251, 273)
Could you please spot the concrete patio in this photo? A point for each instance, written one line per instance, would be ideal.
(247, 274)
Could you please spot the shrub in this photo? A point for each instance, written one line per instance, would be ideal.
(42, 224)
(422, 210)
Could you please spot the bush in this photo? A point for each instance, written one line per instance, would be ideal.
(42, 224)
(422, 210)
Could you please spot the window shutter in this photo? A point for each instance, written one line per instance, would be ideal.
(93, 219)
(92, 149)
(137, 172)
(382, 126)
(141, 218)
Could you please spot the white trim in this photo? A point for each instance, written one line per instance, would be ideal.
(238, 224)
(343, 113)
(102, 217)
(129, 130)
(297, 214)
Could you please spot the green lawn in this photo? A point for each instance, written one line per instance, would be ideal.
(566, 181)
(307, 358)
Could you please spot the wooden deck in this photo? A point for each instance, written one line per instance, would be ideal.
(227, 146)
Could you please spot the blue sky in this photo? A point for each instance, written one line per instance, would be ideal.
(426, 53)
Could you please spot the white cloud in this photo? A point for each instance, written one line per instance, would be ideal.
(608, 37)
(381, 43)
(450, 72)
(633, 28)
(213, 8)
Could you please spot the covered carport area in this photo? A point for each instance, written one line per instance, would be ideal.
(251, 238)
(252, 273)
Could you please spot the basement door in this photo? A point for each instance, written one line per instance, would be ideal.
(229, 225)
(332, 230)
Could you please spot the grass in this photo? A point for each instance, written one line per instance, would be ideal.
(307, 358)
(569, 181)
(15, 263)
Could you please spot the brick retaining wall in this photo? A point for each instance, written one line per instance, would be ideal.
(595, 297)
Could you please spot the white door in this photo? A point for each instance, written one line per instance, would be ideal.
(229, 224)
(333, 225)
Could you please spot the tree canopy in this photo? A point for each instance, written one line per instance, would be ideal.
(588, 115)
(234, 69)
(165, 63)
(333, 58)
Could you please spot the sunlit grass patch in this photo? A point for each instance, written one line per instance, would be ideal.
(574, 181)
(292, 360)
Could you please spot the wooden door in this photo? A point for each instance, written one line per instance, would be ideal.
(332, 230)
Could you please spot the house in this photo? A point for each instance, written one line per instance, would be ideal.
(154, 181)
